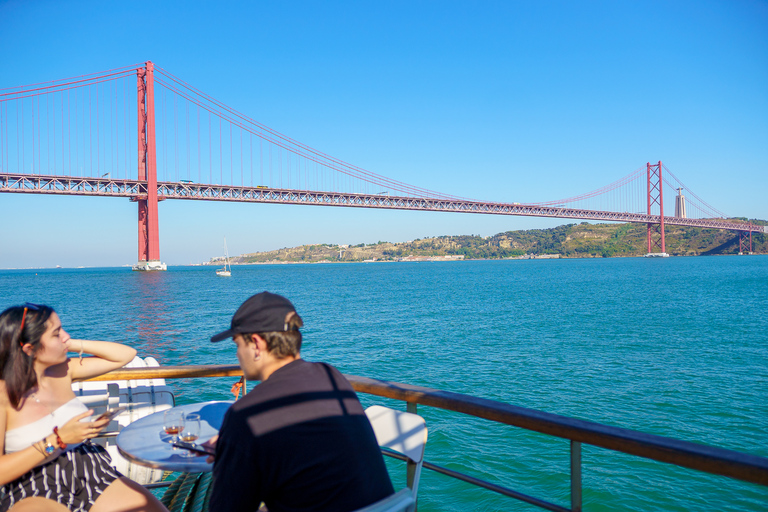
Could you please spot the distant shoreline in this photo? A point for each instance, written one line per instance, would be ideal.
(569, 241)
(545, 257)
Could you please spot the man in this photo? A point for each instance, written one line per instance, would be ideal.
(300, 440)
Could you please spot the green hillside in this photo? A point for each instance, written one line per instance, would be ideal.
(568, 241)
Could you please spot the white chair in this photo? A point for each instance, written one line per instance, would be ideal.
(399, 502)
(142, 397)
(106, 395)
(404, 433)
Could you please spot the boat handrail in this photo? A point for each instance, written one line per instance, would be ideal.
(709, 459)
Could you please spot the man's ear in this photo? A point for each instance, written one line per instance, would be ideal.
(258, 341)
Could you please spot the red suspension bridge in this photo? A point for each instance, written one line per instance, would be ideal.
(82, 135)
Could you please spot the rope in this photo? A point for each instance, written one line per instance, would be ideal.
(190, 492)
(202, 494)
(175, 498)
(172, 490)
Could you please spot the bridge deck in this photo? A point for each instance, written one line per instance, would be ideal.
(135, 190)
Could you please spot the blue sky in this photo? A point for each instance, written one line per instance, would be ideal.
(505, 101)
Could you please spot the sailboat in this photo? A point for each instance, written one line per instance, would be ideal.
(227, 270)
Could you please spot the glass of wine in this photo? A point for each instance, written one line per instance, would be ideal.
(191, 431)
(173, 424)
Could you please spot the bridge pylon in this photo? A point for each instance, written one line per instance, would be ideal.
(149, 232)
(745, 242)
(655, 196)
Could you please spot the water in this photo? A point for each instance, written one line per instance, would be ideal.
(675, 347)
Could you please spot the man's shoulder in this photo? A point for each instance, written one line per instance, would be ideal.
(317, 370)
(304, 368)
(296, 377)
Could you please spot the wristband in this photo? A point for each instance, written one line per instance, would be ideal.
(62, 444)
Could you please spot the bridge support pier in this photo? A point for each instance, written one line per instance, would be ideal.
(655, 234)
(745, 242)
(149, 232)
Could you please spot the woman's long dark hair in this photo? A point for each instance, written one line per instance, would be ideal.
(18, 372)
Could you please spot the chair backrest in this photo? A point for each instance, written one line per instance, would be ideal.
(106, 396)
(142, 397)
(398, 502)
(402, 432)
(98, 399)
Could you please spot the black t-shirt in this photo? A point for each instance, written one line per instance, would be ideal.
(299, 441)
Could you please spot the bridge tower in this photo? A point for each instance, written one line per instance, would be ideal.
(149, 233)
(656, 196)
(745, 242)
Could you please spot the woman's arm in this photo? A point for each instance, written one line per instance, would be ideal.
(108, 356)
(13, 465)
(16, 464)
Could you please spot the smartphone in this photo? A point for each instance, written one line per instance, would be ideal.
(196, 448)
(111, 413)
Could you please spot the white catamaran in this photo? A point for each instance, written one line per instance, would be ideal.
(227, 270)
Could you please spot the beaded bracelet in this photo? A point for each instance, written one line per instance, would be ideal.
(62, 444)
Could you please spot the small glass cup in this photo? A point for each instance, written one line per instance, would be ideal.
(191, 431)
(173, 424)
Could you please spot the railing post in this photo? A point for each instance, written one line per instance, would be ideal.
(410, 470)
(575, 476)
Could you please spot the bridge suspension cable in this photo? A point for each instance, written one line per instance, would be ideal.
(239, 120)
(703, 208)
(83, 129)
(61, 126)
(50, 85)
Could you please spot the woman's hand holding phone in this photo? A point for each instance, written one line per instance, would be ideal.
(109, 414)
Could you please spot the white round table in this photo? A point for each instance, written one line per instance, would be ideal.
(145, 442)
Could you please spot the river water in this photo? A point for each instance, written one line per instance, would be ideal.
(676, 347)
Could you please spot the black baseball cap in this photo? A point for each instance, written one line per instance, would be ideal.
(264, 312)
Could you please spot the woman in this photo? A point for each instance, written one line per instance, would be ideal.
(47, 461)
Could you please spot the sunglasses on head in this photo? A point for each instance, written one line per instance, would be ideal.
(27, 307)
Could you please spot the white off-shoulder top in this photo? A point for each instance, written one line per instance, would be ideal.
(21, 437)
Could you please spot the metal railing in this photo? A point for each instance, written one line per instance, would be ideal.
(709, 459)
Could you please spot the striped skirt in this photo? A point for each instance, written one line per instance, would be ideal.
(75, 479)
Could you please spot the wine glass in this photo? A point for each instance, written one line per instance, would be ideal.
(191, 431)
(173, 424)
